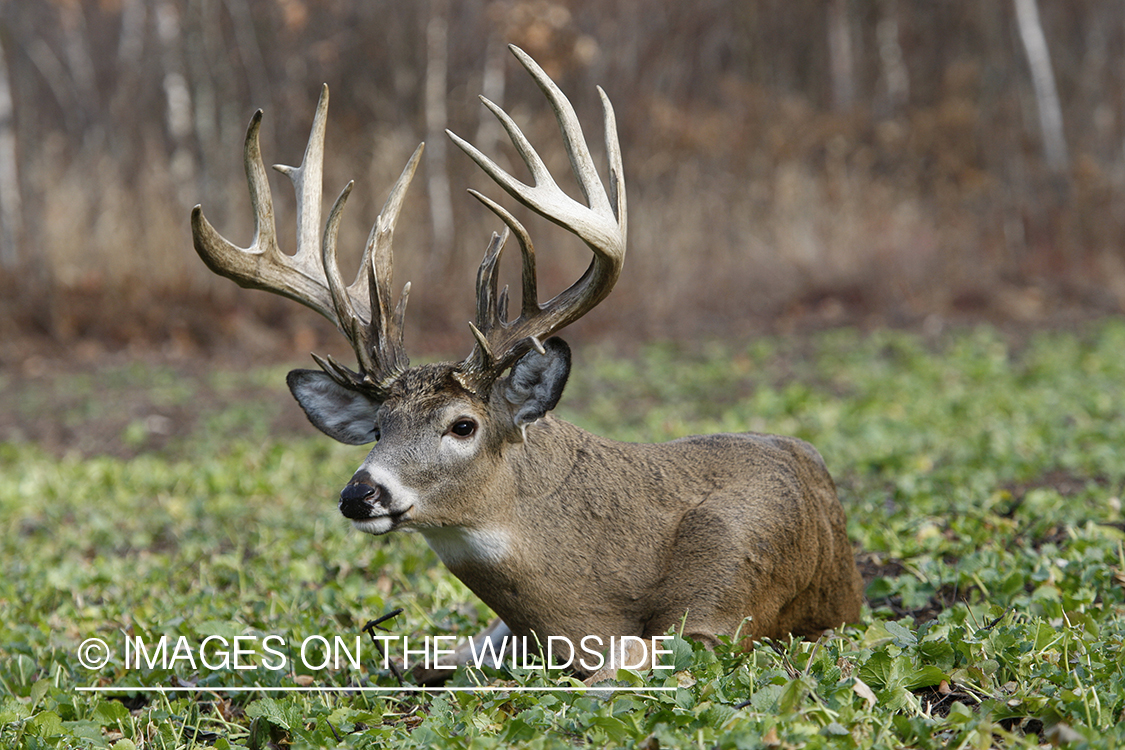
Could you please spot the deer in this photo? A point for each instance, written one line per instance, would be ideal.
(560, 532)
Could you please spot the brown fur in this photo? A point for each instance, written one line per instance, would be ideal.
(626, 539)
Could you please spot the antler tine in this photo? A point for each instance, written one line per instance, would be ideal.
(488, 305)
(529, 302)
(616, 166)
(311, 276)
(581, 162)
(493, 331)
(601, 224)
(386, 329)
(262, 265)
(308, 181)
(488, 314)
(349, 322)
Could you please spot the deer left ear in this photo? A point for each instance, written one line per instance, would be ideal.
(537, 381)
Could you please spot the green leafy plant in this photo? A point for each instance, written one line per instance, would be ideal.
(982, 477)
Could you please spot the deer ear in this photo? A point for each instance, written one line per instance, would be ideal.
(537, 381)
(340, 413)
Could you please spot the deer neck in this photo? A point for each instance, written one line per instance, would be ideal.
(554, 529)
(529, 474)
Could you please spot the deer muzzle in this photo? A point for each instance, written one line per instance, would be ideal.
(376, 504)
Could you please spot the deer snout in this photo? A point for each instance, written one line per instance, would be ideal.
(357, 500)
(376, 502)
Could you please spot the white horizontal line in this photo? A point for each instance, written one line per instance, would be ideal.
(402, 689)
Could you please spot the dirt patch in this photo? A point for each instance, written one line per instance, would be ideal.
(128, 404)
(872, 565)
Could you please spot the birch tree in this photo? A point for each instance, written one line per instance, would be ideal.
(437, 76)
(11, 211)
(1043, 81)
(840, 56)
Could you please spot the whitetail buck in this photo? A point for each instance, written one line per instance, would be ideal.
(561, 532)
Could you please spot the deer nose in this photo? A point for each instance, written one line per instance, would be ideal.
(355, 500)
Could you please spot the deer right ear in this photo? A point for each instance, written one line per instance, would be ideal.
(537, 381)
(340, 413)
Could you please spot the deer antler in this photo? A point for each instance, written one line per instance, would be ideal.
(601, 224)
(312, 276)
(362, 311)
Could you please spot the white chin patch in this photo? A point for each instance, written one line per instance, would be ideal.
(380, 525)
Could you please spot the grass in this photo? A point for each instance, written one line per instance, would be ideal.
(982, 479)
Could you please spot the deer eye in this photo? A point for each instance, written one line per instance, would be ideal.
(463, 428)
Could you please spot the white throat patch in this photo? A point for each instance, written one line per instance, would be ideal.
(458, 544)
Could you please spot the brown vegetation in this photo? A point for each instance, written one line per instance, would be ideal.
(842, 159)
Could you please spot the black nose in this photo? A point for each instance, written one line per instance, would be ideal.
(355, 500)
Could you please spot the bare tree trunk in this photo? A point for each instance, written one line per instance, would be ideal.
(896, 78)
(130, 73)
(1043, 80)
(11, 207)
(840, 55)
(249, 50)
(492, 88)
(211, 84)
(177, 97)
(54, 74)
(80, 66)
(131, 43)
(437, 74)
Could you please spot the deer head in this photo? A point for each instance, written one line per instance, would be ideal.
(561, 532)
(349, 406)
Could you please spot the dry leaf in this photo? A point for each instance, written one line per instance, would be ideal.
(863, 690)
(684, 679)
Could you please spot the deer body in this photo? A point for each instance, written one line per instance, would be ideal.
(561, 532)
(565, 533)
(629, 539)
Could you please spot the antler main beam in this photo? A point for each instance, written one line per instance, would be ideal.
(600, 223)
(362, 310)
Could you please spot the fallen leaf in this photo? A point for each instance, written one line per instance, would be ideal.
(684, 679)
(863, 690)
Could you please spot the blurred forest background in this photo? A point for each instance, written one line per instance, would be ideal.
(888, 161)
